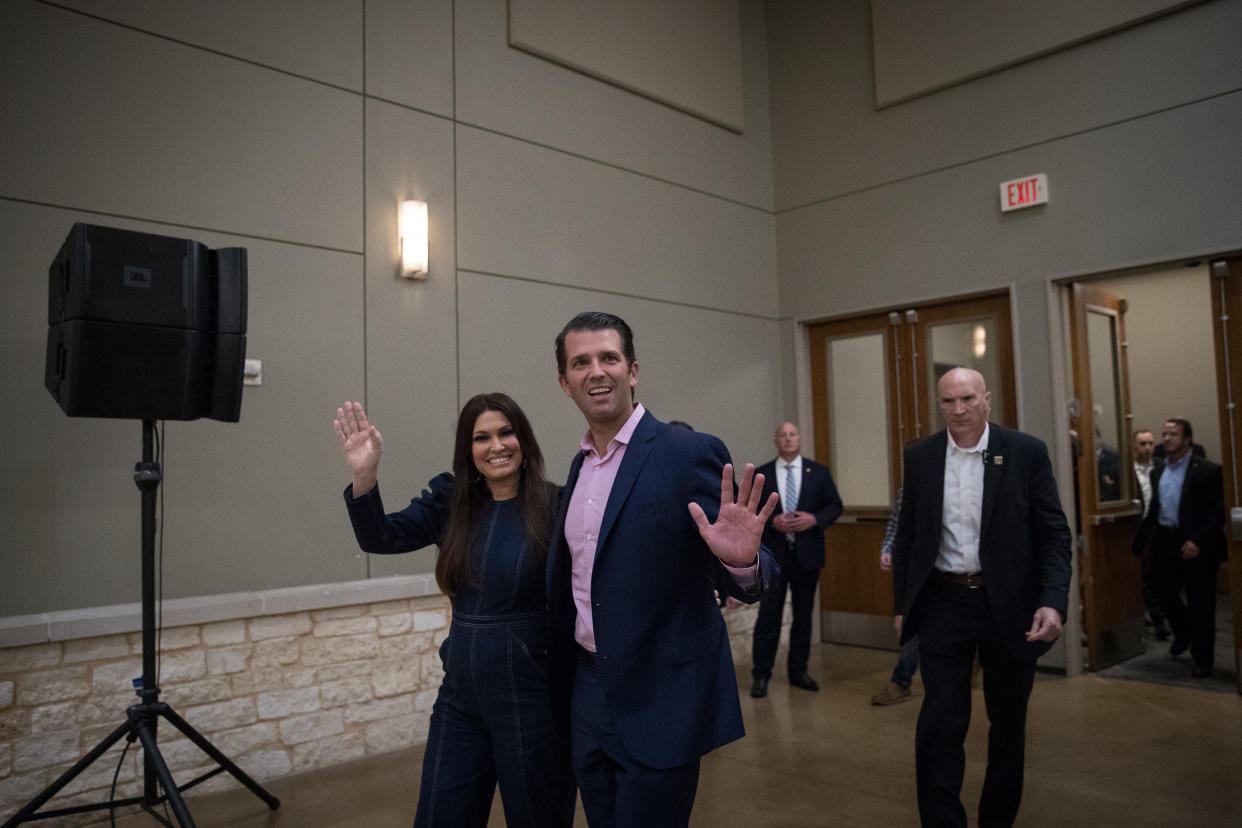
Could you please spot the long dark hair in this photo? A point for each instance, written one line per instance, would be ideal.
(471, 494)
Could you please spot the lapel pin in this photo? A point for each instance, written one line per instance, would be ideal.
(998, 459)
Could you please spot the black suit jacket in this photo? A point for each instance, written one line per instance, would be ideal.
(1024, 541)
(817, 494)
(1200, 513)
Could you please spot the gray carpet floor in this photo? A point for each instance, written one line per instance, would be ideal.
(1156, 665)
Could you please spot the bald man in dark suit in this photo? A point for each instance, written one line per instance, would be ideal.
(981, 564)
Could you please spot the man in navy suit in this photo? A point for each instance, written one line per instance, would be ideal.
(1185, 531)
(646, 527)
(809, 504)
(981, 564)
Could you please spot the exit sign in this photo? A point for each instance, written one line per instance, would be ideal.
(1023, 192)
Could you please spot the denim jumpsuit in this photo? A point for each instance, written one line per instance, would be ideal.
(492, 721)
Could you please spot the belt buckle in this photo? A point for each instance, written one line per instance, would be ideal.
(974, 581)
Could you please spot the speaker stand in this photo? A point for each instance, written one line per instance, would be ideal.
(142, 720)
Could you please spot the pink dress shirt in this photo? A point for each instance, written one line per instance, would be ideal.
(585, 515)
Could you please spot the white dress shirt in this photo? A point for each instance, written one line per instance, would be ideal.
(1143, 472)
(963, 506)
(782, 475)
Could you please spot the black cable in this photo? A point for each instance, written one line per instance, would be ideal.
(116, 775)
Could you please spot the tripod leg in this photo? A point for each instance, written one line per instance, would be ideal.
(161, 770)
(214, 752)
(68, 776)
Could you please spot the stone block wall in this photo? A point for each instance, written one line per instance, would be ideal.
(277, 694)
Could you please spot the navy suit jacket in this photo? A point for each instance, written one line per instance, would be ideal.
(662, 647)
(1024, 541)
(817, 494)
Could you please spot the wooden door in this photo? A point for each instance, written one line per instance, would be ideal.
(873, 381)
(1227, 309)
(1108, 510)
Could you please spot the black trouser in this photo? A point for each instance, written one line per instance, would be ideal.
(1194, 620)
(955, 621)
(1154, 613)
(767, 637)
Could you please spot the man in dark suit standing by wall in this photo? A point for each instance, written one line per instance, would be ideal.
(646, 527)
(809, 504)
(981, 563)
(1185, 530)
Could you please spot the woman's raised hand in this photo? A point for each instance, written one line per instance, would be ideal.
(361, 445)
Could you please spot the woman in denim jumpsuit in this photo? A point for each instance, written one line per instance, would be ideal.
(492, 722)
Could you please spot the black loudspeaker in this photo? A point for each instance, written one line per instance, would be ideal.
(145, 327)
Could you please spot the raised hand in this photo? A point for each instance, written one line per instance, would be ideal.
(734, 537)
(361, 445)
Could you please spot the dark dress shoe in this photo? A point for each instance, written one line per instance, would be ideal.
(759, 689)
(1201, 671)
(804, 681)
(1179, 645)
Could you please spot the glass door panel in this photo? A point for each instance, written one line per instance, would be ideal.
(858, 401)
(1104, 368)
(967, 343)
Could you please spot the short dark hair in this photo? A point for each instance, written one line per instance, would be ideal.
(595, 321)
(1187, 431)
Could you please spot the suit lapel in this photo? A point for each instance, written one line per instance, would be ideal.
(993, 471)
(636, 453)
(803, 487)
(558, 550)
(939, 444)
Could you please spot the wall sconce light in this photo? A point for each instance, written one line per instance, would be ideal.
(412, 232)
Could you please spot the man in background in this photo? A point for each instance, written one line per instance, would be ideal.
(809, 504)
(1144, 464)
(1183, 533)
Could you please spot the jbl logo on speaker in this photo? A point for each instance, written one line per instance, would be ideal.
(138, 277)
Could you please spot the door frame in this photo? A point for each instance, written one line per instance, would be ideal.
(1060, 357)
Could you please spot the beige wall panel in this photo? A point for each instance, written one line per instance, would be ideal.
(315, 40)
(515, 93)
(720, 372)
(250, 505)
(104, 118)
(411, 328)
(923, 46)
(829, 139)
(686, 54)
(1172, 366)
(409, 53)
(943, 233)
(540, 214)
